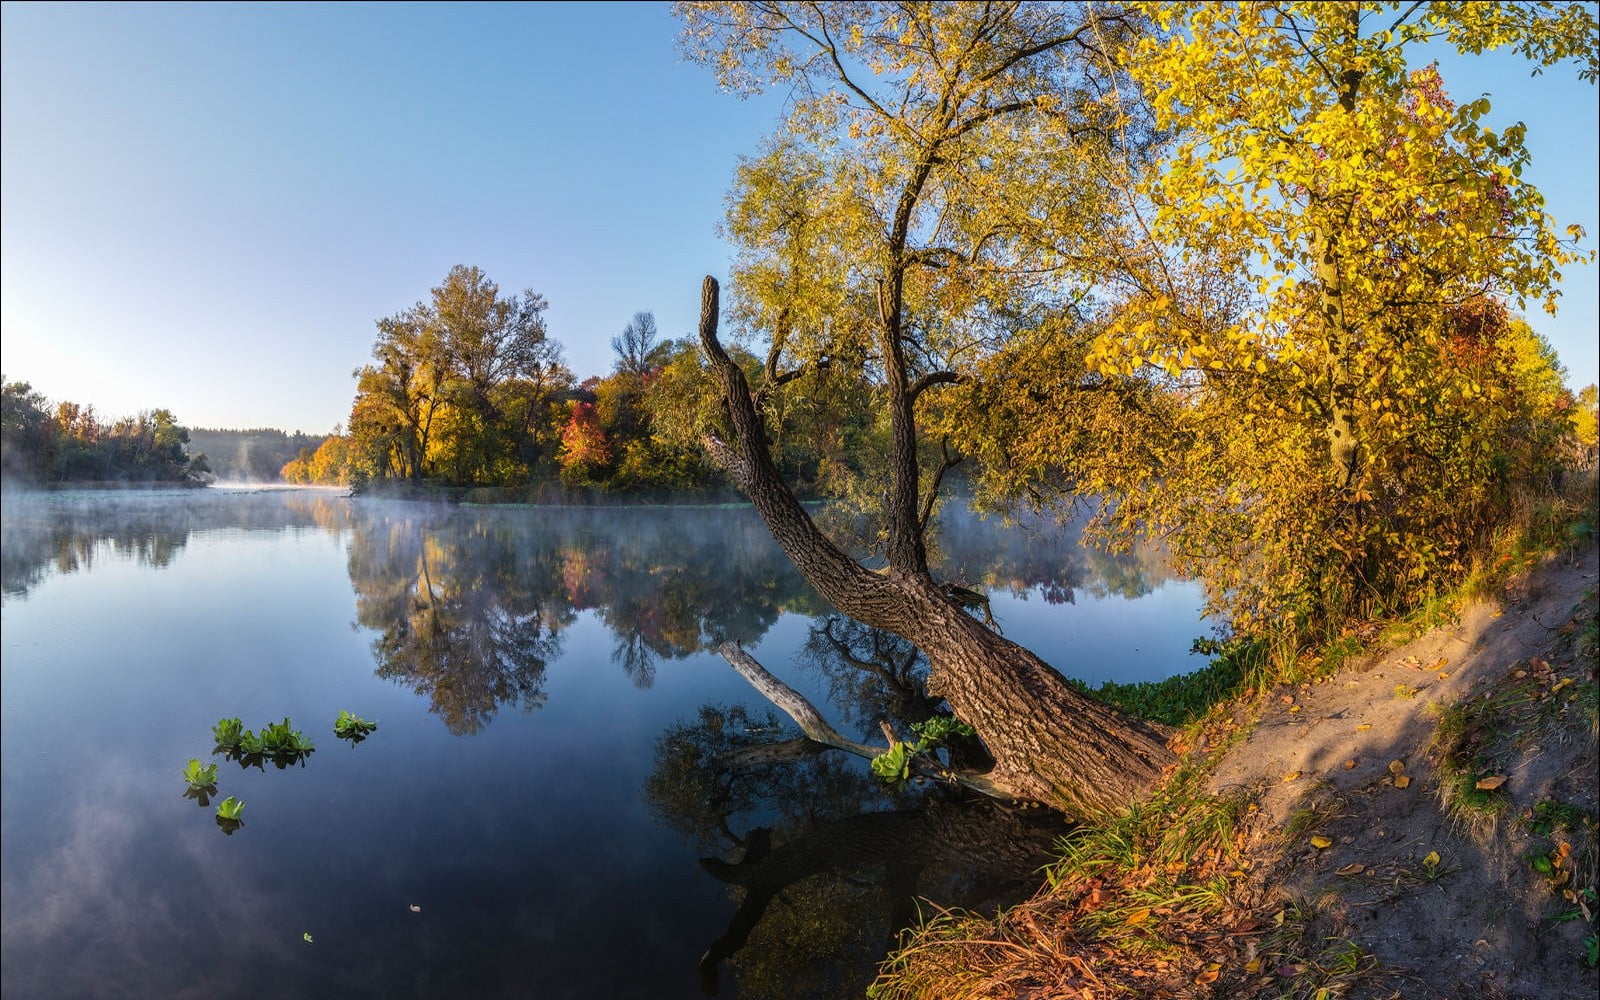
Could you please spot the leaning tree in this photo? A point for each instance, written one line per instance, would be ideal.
(945, 181)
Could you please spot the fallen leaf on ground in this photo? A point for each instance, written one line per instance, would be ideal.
(1294, 708)
(1402, 780)
(1321, 843)
(1291, 776)
(1397, 767)
(1363, 727)
(1432, 860)
(1350, 764)
(1210, 974)
(1253, 966)
(1137, 917)
(415, 908)
(1354, 868)
(1492, 782)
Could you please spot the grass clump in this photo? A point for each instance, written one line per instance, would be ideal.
(1147, 900)
(1458, 743)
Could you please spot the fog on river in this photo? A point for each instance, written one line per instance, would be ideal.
(553, 803)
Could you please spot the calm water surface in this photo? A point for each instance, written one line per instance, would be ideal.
(531, 816)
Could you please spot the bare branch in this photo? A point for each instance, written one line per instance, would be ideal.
(817, 728)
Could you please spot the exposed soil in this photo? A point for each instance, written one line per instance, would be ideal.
(1439, 904)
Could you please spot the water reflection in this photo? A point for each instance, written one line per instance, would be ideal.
(470, 605)
(807, 826)
(46, 534)
(475, 611)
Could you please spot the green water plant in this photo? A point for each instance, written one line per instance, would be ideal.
(893, 767)
(352, 727)
(229, 734)
(201, 781)
(279, 742)
(200, 775)
(228, 811)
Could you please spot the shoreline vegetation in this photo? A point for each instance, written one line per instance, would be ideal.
(1277, 860)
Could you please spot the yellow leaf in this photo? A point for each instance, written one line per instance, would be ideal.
(1354, 868)
(1253, 966)
(1138, 917)
(1321, 843)
(1432, 860)
(1363, 727)
(1397, 767)
(1492, 782)
(1291, 776)
(1402, 781)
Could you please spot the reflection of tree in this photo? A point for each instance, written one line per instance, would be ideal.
(471, 626)
(871, 674)
(469, 604)
(848, 887)
(66, 532)
(1037, 554)
(845, 859)
(681, 581)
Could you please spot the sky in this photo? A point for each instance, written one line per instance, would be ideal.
(207, 208)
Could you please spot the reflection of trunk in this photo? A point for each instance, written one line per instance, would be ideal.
(1050, 742)
(993, 846)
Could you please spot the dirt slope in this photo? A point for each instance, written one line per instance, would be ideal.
(1440, 902)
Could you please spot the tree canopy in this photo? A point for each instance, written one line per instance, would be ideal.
(1236, 271)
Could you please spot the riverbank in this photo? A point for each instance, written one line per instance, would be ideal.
(544, 495)
(1416, 819)
(117, 484)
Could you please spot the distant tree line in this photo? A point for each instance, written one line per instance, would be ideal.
(71, 443)
(253, 455)
(467, 388)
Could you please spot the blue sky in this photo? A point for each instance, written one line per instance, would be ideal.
(207, 208)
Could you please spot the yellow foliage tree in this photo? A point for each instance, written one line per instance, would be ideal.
(1331, 246)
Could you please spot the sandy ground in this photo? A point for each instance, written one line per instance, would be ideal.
(1330, 760)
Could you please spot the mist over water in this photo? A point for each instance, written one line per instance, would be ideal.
(542, 683)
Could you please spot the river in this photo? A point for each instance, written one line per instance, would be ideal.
(539, 812)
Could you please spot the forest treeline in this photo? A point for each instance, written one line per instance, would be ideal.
(254, 455)
(69, 442)
(45, 442)
(468, 388)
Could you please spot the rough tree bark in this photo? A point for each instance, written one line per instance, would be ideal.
(1050, 742)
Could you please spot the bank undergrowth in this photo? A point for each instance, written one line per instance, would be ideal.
(1169, 896)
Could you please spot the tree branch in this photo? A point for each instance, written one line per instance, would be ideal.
(817, 728)
(947, 463)
(932, 379)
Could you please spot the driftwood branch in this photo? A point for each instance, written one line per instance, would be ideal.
(818, 729)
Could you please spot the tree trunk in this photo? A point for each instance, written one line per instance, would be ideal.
(1050, 742)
